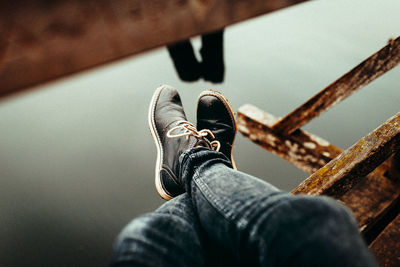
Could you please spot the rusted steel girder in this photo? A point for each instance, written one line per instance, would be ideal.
(394, 173)
(372, 197)
(340, 174)
(367, 71)
(306, 151)
(369, 199)
(386, 246)
(42, 40)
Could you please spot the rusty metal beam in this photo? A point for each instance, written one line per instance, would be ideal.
(367, 71)
(304, 150)
(372, 197)
(386, 246)
(394, 172)
(348, 168)
(42, 40)
(369, 199)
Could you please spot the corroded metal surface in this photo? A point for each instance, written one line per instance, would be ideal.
(369, 199)
(348, 168)
(372, 197)
(362, 177)
(304, 150)
(41, 40)
(386, 246)
(367, 71)
(394, 172)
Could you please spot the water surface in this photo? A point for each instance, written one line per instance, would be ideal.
(77, 159)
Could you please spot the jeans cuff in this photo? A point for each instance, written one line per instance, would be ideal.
(193, 159)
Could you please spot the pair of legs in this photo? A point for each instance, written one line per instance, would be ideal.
(211, 68)
(226, 217)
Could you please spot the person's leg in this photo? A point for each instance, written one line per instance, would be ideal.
(212, 54)
(185, 61)
(253, 221)
(211, 68)
(170, 236)
(263, 226)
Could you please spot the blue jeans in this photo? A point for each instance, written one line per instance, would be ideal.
(229, 218)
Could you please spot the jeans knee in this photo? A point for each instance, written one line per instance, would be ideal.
(162, 234)
(135, 230)
(297, 221)
(324, 226)
(321, 210)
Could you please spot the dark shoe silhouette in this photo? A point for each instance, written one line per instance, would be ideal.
(216, 114)
(211, 68)
(212, 55)
(185, 61)
(172, 135)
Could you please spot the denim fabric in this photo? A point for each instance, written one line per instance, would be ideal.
(168, 236)
(230, 218)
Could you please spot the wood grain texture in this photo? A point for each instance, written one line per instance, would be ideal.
(367, 71)
(42, 40)
(386, 246)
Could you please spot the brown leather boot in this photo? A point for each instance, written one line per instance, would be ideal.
(216, 114)
(173, 135)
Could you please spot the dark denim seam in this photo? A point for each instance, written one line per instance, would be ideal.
(220, 211)
(206, 192)
(270, 205)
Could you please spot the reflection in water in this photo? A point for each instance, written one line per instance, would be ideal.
(77, 159)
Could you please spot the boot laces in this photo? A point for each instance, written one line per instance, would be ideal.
(190, 130)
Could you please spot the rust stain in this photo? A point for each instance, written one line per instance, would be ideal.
(301, 149)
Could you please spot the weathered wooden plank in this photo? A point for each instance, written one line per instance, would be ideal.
(367, 71)
(41, 40)
(369, 199)
(304, 150)
(386, 246)
(348, 168)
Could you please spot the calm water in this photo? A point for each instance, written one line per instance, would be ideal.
(77, 159)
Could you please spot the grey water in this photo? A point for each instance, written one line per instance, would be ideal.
(76, 156)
